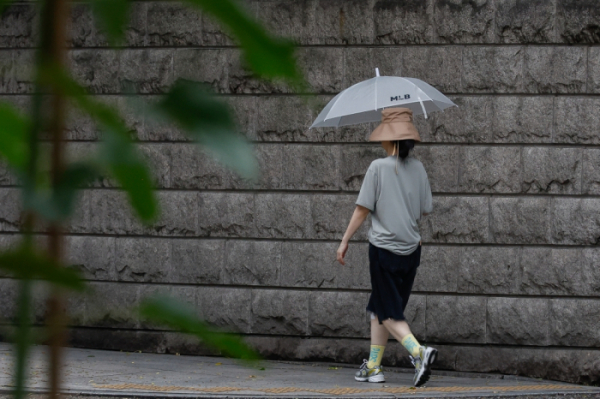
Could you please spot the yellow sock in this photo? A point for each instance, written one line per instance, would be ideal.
(411, 344)
(375, 356)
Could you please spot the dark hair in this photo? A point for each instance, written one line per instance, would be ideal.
(403, 147)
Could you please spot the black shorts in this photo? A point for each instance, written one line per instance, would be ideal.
(392, 278)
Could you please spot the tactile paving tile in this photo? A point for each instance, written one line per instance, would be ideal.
(338, 391)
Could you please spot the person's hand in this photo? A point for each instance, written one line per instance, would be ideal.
(341, 252)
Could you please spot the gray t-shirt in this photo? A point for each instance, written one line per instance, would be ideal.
(396, 202)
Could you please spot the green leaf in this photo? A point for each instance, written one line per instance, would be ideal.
(176, 315)
(24, 263)
(4, 5)
(118, 155)
(61, 81)
(209, 122)
(57, 203)
(112, 16)
(123, 162)
(75, 176)
(267, 56)
(13, 136)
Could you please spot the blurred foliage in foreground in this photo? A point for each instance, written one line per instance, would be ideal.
(49, 192)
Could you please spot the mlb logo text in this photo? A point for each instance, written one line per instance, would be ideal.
(400, 98)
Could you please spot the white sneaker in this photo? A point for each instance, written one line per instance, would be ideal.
(372, 375)
(423, 364)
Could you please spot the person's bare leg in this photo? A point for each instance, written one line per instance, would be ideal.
(398, 328)
(379, 338)
(379, 334)
(401, 331)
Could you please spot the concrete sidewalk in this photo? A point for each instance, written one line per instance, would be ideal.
(120, 374)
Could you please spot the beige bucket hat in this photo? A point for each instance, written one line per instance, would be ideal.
(396, 124)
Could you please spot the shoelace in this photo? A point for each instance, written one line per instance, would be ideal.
(414, 360)
(364, 365)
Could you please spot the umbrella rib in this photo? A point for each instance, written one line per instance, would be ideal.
(419, 96)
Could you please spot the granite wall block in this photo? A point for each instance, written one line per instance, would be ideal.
(518, 321)
(18, 26)
(576, 21)
(338, 314)
(283, 216)
(280, 312)
(226, 214)
(406, 22)
(464, 22)
(457, 220)
(523, 119)
(172, 24)
(438, 271)
(147, 72)
(193, 168)
(559, 271)
(142, 260)
(85, 31)
(309, 167)
(194, 261)
(330, 215)
(471, 122)
(354, 162)
(308, 264)
(576, 120)
(525, 21)
(575, 322)
(493, 69)
(442, 166)
(8, 298)
(93, 256)
(552, 170)
(488, 270)
(97, 70)
(439, 66)
(360, 63)
(459, 319)
(555, 70)
(520, 220)
(254, 263)
(575, 221)
(490, 170)
(16, 71)
(111, 305)
(319, 22)
(591, 171)
(10, 209)
(228, 308)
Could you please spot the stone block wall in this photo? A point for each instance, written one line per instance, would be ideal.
(510, 275)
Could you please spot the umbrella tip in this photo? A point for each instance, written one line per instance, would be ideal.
(377, 72)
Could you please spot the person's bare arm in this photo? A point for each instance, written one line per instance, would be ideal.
(358, 217)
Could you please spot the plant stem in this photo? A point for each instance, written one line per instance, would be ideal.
(55, 17)
(23, 333)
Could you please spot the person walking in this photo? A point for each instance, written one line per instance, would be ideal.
(396, 193)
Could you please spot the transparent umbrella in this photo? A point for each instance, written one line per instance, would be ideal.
(364, 101)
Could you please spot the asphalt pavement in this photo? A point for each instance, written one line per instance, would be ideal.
(95, 373)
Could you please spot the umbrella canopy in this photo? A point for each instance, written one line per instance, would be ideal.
(364, 101)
